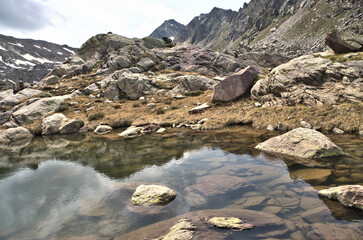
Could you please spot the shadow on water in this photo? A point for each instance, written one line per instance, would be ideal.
(81, 185)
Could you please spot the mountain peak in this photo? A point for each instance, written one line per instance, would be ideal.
(170, 28)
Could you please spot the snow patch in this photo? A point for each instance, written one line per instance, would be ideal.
(172, 25)
(172, 38)
(60, 53)
(32, 58)
(47, 49)
(69, 50)
(37, 46)
(16, 44)
(1, 48)
(9, 64)
(21, 62)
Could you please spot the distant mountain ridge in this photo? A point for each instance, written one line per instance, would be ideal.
(29, 60)
(290, 27)
(170, 28)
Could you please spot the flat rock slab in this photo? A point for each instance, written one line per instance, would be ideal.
(263, 222)
(334, 231)
(318, 175)
(209, 187)
(236, 224)
(149, 195)
(234, 86)
(348, 195)
(301, 142)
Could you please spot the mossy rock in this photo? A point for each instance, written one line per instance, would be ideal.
(149, 195)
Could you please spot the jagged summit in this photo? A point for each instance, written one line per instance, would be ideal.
(290, 27)
(170, 28)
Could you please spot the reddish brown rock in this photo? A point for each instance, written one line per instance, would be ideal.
(345, 42)
(234, 86)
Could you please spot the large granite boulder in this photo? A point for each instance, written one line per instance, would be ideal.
(348, 195)
(39, 109)
(234, 86)
(12, 135)
(52, 124)
(12, 100)
(311, 80)
(266, 225)
(344, 41)
(149, 195)
(302, 142)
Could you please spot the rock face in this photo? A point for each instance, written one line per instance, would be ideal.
(149, 195)
(190, 83)
(234, 86)
(12, 135)
(349, 195)
(39, 109)
(11, 100)
(170, 28)
(273, 26)
(344, 42)
(311, 80)
(301, 142)
(266, 223)
(29, 60)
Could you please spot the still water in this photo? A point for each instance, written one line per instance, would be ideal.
(79, 187)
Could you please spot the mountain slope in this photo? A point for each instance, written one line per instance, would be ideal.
(170, 28)
(29, 60)
(290, 27)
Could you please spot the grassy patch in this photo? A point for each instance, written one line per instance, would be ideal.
(96, 116)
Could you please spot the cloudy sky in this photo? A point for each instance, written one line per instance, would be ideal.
(72, 22)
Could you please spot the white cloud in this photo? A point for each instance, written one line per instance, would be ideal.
(74, 21)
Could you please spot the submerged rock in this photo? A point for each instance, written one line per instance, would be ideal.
(183, 230)
(234, 86)
(264, 223)
(348, 195)
(228, 223)
(302, 142)
(149, 195)
(334, 231)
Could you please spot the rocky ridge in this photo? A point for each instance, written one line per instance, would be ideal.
(29, 60)
(170, 29)
(288, 27)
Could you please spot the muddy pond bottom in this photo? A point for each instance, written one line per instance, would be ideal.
(79, 187)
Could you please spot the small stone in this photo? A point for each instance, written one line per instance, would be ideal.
(103, 129)
(199, 108)
(270, 128)
(161, 130)
(151, 105)
(337, 131)
(131, 131)
(305, 124)
(149, 195)
(257, 104)
(281, 127)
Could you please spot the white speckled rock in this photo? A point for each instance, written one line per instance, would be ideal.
(148, 195)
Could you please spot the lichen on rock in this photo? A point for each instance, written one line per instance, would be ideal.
(348, 195)
(228, 223)
(149, 195)
(183, 230)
